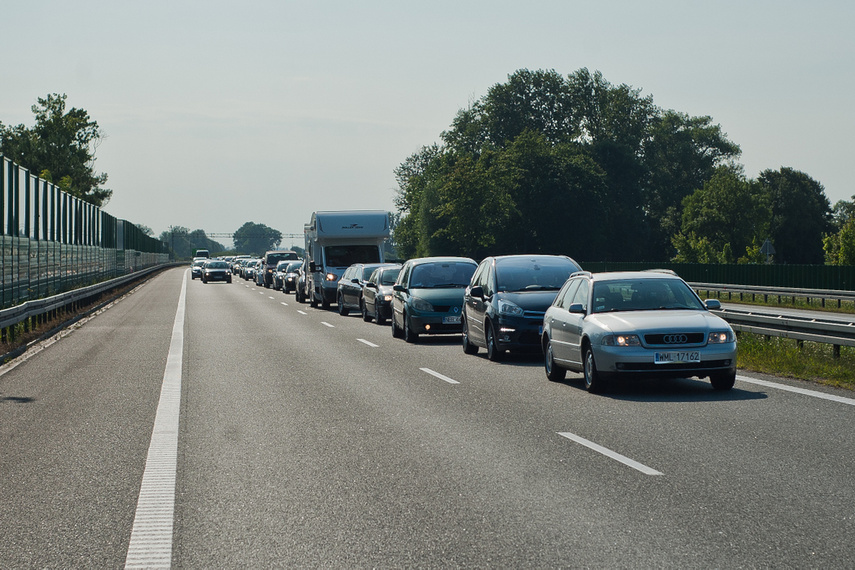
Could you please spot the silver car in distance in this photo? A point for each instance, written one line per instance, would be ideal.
(635, 324)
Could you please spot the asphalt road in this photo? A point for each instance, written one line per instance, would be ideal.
(307, 439)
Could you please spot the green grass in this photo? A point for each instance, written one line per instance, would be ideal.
(806, 361)
(782, 301)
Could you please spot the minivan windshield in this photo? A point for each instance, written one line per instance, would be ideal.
(533, 274)
(441, 274)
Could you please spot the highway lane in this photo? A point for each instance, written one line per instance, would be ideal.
(311, 439)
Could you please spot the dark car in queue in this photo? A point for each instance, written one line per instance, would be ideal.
(503, 306)
(196, 267)
(291, 275)
(636, 324)
(350, 286)
(216, 270)
(281, 272)
(427, 297)
(377, 294)
(269, 262)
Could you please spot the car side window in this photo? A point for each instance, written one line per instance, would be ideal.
(565, 296)
(405, 275)
(489, 279)
(581, 294)
(477, 277)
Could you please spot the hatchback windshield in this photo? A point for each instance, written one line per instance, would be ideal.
(388, 276)
(447, 274)
(643, 294)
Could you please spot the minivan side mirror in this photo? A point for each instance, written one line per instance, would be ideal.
(399, 288)
(477, 291)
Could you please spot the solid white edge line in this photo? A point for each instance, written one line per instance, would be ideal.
(151, 535)
(371, 344)
(440, 376)
(609, 453)
(802, 391)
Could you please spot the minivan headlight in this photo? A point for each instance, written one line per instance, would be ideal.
(420, 304)
(509, 309)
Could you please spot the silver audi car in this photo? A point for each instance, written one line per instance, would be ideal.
(640, 323)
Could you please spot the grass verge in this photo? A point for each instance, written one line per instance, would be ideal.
(806, 361)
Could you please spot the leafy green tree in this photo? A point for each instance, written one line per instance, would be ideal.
(800, 215)
(255, 239)
(724, 218)
(839, 246)
(59, 148)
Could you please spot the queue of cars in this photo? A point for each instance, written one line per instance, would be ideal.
(603, 325)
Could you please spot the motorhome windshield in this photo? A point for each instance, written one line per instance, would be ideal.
(347, 255)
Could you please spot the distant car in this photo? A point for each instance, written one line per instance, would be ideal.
(216, 270)
(641, 323)
(349, 288)
(503, 306)
(279, 275)
(377, 294)
(428, 296)
(268, 265)
(292, 274)
(301, 293)
(196, 267)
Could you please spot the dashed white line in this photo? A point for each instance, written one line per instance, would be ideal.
(371, 344)
(609, 453)
(326, 324)
(440, 376)
(283, 302)
(302, 312)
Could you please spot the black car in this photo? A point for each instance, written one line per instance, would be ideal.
(216, 270)
(503, 306)
(377, 294)
(349, 293)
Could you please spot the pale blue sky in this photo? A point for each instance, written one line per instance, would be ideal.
(217, 113)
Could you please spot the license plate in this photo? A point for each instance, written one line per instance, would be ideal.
(677, 357)
(453, 320)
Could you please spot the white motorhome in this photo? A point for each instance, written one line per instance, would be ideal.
(337, 240)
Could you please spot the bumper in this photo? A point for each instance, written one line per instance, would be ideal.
(435, 324)
(519, 333)
(620, 362)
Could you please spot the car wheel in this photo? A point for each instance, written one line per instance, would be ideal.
(593, 380)
(554, 372)
(342, 310)
(365, 316)
(723, 380)
(494, 353)
(468, 347)
(378, 318)
(409, 334)
(396, 332)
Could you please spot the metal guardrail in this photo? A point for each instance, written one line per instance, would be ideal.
(780, 292)
(14, 315)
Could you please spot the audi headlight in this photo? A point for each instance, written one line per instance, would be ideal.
(622, 340)
(420, 304)
(509, 309)
(720, 337)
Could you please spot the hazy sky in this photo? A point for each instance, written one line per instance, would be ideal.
(218, 113)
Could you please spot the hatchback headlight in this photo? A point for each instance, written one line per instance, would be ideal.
(720, 337)
(622, 340)
(332, 277)
(420, 304)
(509, 309)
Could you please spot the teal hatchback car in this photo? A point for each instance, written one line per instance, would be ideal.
(427, 298)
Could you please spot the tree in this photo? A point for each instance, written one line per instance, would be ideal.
(840, 246)
(800, 215)
(722, 220)
(255, 239)
(184, 242)
(59, 148)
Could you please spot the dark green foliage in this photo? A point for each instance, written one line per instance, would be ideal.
(255, 239)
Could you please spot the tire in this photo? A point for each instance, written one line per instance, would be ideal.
(378, 318)
(468, 347)
(342, 310)
(494, 353)
(593, 379)
(409, 335)
(553, 372)
(365, 316)
(723, 380)
(396, 332)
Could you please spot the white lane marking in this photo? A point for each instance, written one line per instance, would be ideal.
(283, 302)
(609, 453)
(302, 312)
(371, 344)
(151, 536)
(802, 391)
(326, 324)
(272, 298)
(440, 376)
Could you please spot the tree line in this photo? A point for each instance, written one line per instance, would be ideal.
(578, 166)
